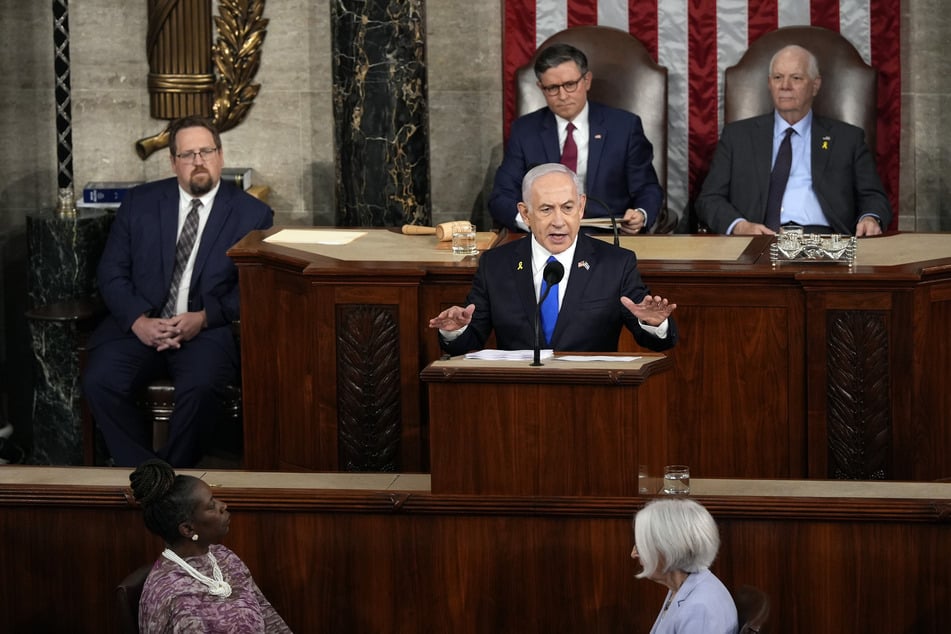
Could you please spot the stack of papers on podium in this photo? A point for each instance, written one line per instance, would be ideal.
(509, 355)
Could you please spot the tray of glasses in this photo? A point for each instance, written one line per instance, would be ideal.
(794, 246)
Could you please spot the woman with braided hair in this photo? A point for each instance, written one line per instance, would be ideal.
(197, 585)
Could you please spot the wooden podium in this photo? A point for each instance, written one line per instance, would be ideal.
(566, 428)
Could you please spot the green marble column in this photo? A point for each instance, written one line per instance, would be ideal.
(381, 121)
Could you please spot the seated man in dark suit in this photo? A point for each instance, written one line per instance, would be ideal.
(606, 147)
(826, 183)
(601, 289)
(172, 295)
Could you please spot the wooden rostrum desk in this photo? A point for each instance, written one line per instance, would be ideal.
(795, 371)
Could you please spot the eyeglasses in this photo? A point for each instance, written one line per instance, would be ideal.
(189, 157)
(569, 86)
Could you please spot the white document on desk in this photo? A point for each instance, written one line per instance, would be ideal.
(490, 354)
(315, 236)
(584, 357)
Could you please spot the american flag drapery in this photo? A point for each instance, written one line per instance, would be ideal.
(697, 40)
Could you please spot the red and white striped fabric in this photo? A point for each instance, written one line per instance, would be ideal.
(697, 40)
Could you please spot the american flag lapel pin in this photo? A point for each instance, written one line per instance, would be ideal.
(583, 264)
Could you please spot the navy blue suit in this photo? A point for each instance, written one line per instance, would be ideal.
(134, 277)
(620, 172)
(591, 314)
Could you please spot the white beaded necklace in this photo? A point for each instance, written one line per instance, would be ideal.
(217, 586)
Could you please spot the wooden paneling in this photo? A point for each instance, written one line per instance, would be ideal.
(351, 561)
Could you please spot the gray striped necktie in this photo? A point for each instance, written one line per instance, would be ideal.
(183, 251)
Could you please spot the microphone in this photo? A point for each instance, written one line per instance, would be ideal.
(617, 237)
(552, 274)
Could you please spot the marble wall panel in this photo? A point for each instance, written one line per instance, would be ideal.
(27, 151)
(319, 204)
(926, 127)
(26, 33)
(932, 161)
(106, 124)
(464, 56)
(463, 125)
(464, 46)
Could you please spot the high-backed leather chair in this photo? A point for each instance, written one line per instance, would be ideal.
(752, 608)
(623, 76)
(849, 85)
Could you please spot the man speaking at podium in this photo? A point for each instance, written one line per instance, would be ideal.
(600, 290)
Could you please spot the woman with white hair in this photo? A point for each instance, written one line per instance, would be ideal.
(676, 540)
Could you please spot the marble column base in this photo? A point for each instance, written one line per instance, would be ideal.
(57, 433)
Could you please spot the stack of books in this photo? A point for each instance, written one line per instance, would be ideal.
(240, 176)
(107, 194)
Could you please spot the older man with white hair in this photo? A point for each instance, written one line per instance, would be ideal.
(791, 167)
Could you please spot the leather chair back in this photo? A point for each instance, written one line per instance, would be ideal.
(752, 608)
(849, 89)
(128, 593)
(623, 76)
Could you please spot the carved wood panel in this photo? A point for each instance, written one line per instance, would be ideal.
(859, 412)
(368, 387)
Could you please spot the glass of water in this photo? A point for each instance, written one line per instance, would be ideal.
(677, 479)
(464, 239)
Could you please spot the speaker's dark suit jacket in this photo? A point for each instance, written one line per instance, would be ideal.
(134, 276)
(843, 175)
(591, 314)
(620, 174)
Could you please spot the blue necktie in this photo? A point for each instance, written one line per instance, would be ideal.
(549, 308)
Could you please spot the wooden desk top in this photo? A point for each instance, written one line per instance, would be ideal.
(15, 476)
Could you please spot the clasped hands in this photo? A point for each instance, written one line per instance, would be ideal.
(168, 333)
(652, 310)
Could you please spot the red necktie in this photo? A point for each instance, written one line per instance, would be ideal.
(569, 153)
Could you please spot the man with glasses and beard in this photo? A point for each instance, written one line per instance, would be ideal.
(172, 294)
(605, 146)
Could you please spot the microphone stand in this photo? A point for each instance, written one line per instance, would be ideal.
(617, 237)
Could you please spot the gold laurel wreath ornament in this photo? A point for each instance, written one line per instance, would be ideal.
(237, 57)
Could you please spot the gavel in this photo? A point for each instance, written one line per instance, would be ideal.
(443, 231)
